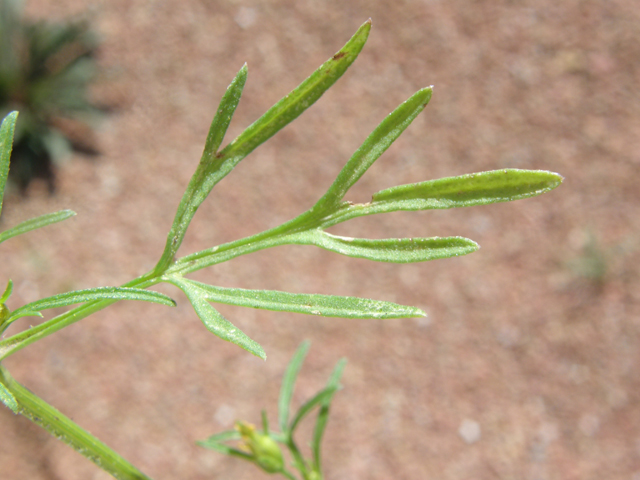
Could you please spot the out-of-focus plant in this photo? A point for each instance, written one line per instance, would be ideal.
(263, 447)
(597, 264)
(45, 71)
(593, 263)
(308, 228)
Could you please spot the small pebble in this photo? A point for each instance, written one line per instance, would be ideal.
(469, 431)
(225, 415)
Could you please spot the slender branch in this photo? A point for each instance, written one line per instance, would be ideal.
(297, 456)
(65, 429)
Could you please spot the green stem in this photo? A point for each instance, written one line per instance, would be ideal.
(276, 236)
(63, 428)
(185, 265)
(298, 459)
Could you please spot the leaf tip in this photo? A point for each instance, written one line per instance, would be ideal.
(556, 179)
(472, 246)
(13, 115)
(365, 28)
(425, 94)
(10, 118)
(547, 180)
(466, 246)
(7, 292)
(253, 347)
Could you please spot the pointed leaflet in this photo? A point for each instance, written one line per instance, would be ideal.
(7, 292)
(375, 145)
(311, 304)
(466, 190)
(276, 118)
(320, 398)
(296, 101)
(197, 190)
(323, 415)
(81, 296)
(219, 438)
(395, 250)
(288, 382)
(35, 223)
(223, 116)
(213, 320)
(6, 144)
(216, 443)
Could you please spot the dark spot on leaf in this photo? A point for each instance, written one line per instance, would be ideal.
(219, 155)
(339, 55)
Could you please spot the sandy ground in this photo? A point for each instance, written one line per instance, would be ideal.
(527, 366)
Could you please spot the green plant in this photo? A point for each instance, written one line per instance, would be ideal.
(45, 70)
(309, 228)
(261, 448)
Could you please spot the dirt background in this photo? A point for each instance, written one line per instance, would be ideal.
(527, 365)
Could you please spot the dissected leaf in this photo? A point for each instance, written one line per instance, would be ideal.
(298, 100)
(395, 250)
(288, 383)
(200, 184)
(81, 296)
(35, 223)
(467, 190)
(224, 114)
(214, 321)
(277, 117)
(6, 144)
(311, 304)
(375, 145)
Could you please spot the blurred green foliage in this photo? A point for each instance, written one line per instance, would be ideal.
(45, 70)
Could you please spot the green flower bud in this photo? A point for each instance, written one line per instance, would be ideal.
(265, 450)
(315, 476)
